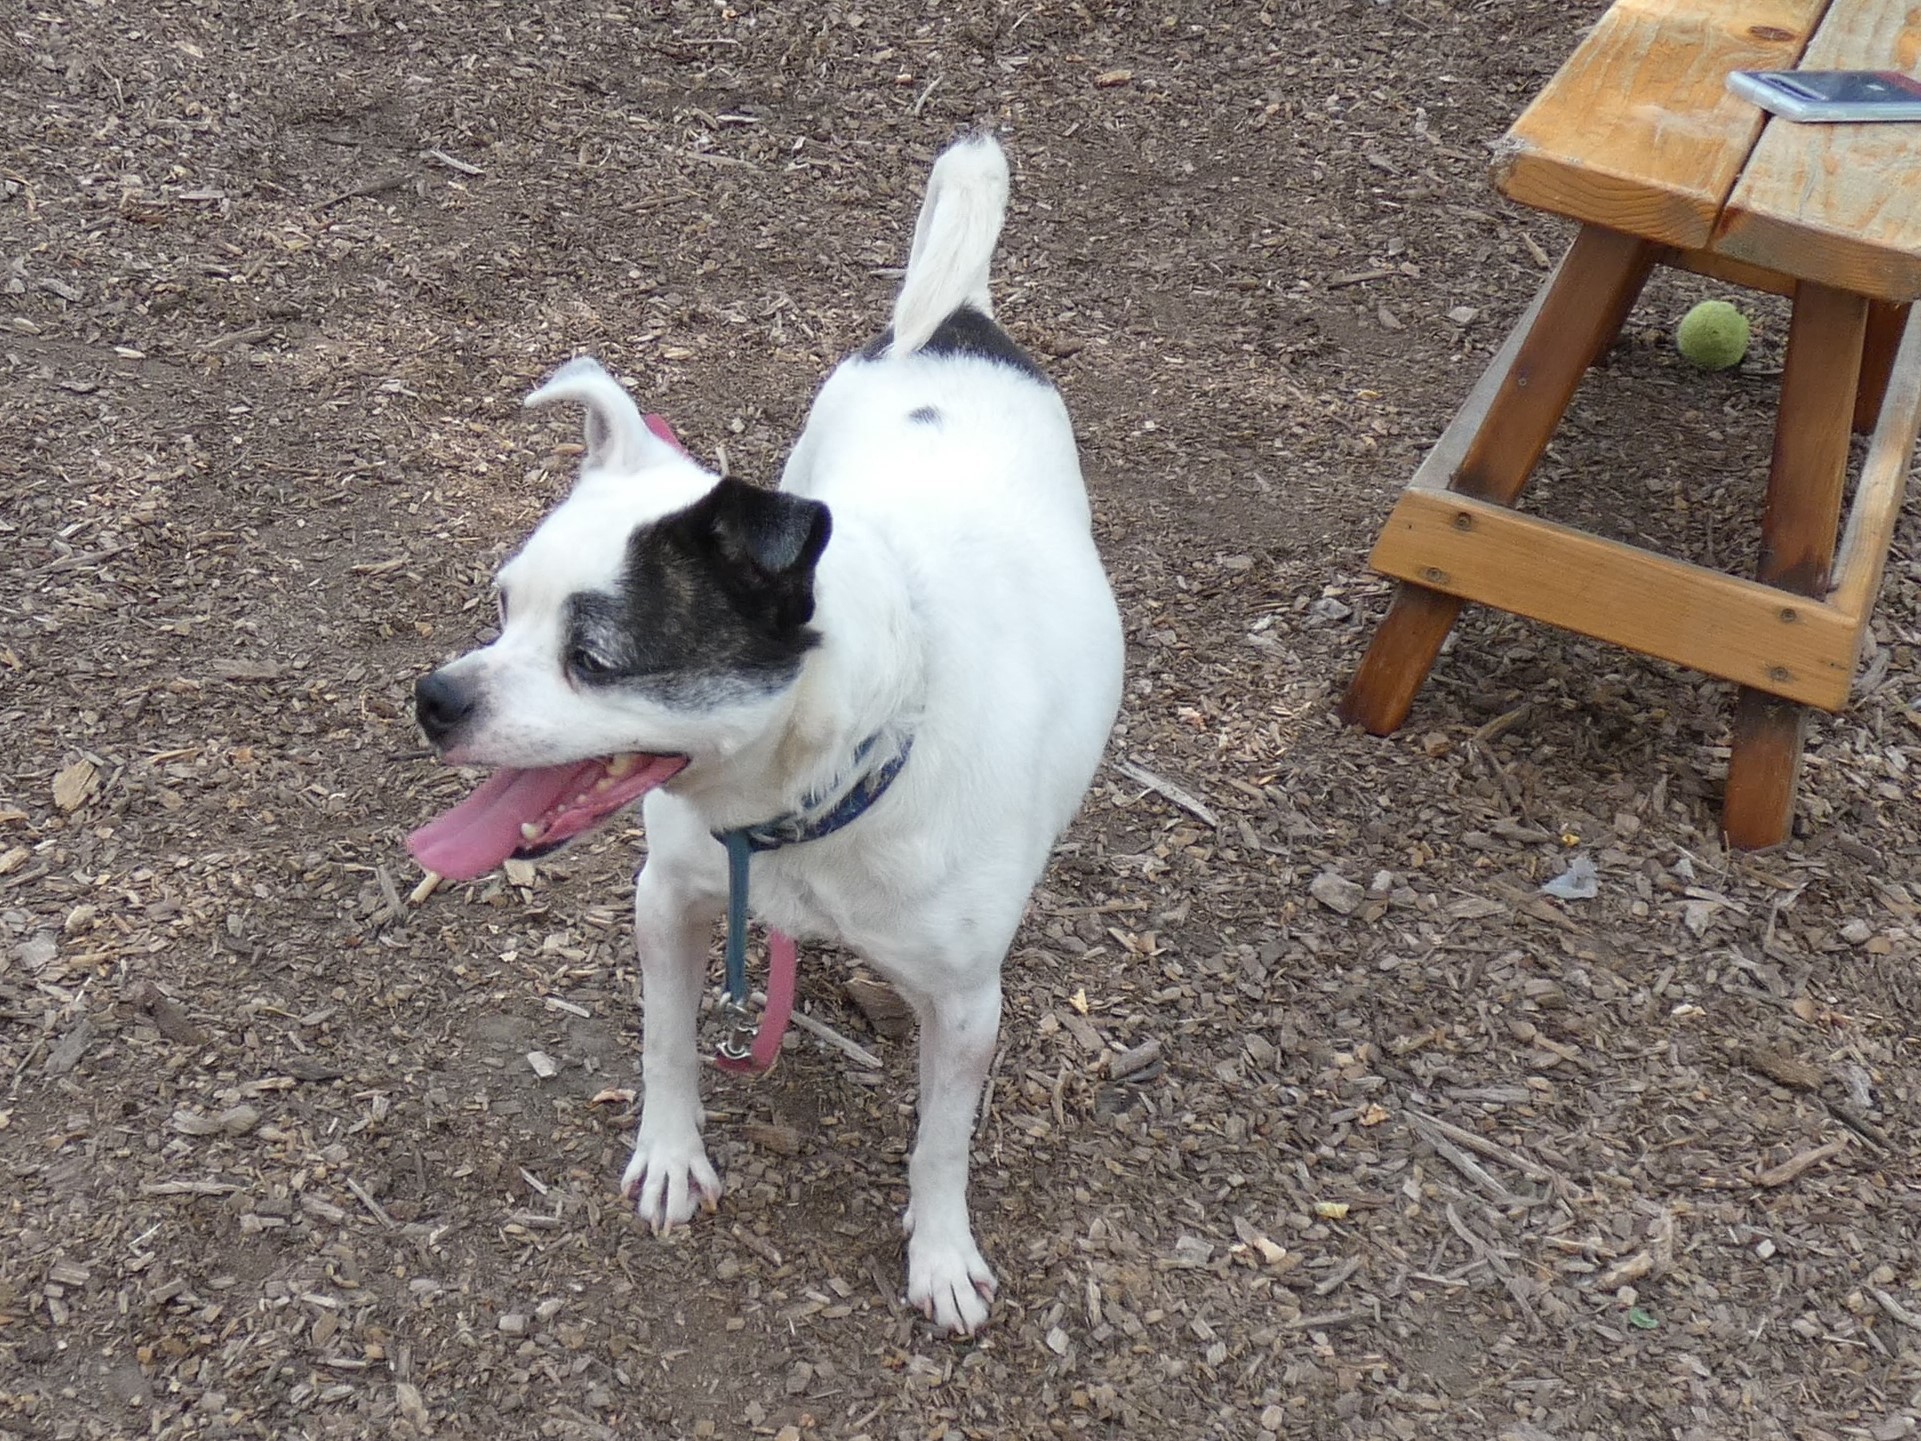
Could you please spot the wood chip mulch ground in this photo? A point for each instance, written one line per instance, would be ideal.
(1316, 1115)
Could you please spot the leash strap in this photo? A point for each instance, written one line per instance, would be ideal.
(747, 1047)
(739, 852)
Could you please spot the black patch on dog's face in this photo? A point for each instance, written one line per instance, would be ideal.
(925, 415)
(967, 332)
(714, 596)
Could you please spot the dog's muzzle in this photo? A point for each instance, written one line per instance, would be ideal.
(440, 705)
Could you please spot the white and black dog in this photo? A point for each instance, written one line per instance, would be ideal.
(913, 638)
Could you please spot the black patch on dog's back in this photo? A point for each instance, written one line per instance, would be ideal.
(714, 597)
(967, 332)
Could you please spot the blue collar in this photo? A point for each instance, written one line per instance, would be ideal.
(818, 816)
(822, 815)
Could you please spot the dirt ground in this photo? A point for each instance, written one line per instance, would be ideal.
(1422, 1153)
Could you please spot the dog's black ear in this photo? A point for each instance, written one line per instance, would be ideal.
(763, 546)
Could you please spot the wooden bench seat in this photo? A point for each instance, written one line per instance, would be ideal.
(1638, 138)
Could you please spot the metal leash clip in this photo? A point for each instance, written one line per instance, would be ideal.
(737, 1044)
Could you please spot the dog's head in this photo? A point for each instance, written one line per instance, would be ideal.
(654, 621)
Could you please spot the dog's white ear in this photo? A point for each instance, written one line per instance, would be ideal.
(617, 437)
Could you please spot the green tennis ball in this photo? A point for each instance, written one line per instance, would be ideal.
(1713, 335)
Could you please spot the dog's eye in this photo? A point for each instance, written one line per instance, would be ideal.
(587, 662)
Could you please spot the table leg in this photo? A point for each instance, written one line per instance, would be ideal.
(1826, 343)
(1887, 322)
(1581, 314)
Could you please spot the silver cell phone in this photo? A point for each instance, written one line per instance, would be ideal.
(1828, 96)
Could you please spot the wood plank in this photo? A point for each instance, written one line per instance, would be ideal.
(1720, 624)
(1638, 131)
(1887, 323)
(1884, 478)
(1808, 473)
(1444, 457)
(1726, 268)
(1591, 295)
(1596, 283)
(1400, 656)
(1806, 480)
(1764, 770)
(1840, 204)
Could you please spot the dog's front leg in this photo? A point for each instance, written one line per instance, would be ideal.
(670, 1170)
(946, 1275)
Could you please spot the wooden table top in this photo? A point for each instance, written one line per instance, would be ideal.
(1639, 132)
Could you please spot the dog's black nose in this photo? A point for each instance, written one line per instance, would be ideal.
(440, 706)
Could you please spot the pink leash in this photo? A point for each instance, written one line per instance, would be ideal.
(783, 958)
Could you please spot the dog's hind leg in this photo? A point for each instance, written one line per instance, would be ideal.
(674, 922)
(946, 1275)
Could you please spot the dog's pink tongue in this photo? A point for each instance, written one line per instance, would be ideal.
(483, 830)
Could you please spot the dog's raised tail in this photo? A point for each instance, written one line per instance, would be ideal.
(954, 238)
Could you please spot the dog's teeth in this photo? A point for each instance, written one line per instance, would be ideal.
(529, 831)
(622, 764)
(604, 783)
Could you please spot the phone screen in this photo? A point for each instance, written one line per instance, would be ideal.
(1849, 87)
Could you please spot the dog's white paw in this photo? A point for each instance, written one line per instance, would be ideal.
(667, 1178)
(949, 1281)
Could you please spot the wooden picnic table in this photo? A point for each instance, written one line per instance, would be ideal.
(1638, 139)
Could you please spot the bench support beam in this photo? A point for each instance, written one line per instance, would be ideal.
(1789, 638)
(1581, 311)
(1826, 342)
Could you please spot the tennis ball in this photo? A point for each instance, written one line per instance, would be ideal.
(1713, 335)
